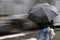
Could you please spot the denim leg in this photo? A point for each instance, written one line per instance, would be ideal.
(40, 34)
(47, 33)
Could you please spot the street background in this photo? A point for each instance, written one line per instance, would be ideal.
(32, 35)
(12, 9)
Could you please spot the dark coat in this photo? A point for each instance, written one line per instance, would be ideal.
(44, 25)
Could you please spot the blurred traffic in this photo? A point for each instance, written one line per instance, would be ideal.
(13, 14)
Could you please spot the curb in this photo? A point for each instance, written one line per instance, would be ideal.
(57, 29)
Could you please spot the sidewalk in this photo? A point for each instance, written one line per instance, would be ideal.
(31, 35)
(57, 29)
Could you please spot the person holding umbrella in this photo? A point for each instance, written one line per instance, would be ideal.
(42, 15)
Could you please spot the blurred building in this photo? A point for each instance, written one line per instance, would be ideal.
(15, 9)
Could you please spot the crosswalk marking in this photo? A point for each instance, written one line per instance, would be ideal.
(12, 36)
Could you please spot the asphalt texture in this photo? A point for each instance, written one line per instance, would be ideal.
(32, 35)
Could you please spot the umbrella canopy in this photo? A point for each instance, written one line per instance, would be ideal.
(42, 13)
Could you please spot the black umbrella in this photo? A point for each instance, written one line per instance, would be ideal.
(42, 13)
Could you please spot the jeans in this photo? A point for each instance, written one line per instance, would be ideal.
(46, 32)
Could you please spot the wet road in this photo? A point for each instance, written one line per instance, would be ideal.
(32, 35)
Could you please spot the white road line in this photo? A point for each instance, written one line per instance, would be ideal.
(30, 39)
(12, 36)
